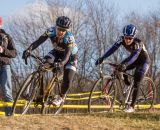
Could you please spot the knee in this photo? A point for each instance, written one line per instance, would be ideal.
(49, 60)
(136, 85)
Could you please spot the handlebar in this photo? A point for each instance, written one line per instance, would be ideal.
(115, 66)
(40, 60)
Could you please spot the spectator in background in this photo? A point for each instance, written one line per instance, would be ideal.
(7, 52)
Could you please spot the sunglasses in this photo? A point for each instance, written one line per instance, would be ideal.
(61, 29)
(128, 38)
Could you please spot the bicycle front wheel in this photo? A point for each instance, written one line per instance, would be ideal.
(147, 95)
(102, 95)
(26, 95)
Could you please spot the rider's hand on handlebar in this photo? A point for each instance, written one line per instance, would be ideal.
(26, 53)
(57, 64)
(99, 61)
(47, 65)
(121, 67)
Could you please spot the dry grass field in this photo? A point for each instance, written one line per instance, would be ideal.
(99, 121)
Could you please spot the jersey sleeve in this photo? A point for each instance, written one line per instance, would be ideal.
(69, 40)
(38, 42)
(115, 46)
(50, 32)
(71, 48)
(134, 55)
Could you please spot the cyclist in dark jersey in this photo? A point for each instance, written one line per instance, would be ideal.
(65, 48)
(138, 59)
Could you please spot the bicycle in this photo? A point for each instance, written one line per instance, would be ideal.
(36, 93)
(108, 94)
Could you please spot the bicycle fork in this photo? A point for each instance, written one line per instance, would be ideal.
(46, 93)
(48, 89)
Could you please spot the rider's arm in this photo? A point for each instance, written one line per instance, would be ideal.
(134, 55)
(68, 51)
(71, 47)
(39, 41)
(49, 33)
(115, 46)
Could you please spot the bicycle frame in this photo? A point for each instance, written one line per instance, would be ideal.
(107, 92)
(35, 90)
(49, 86)
(117, 79)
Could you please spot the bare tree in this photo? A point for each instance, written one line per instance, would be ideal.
(95, 26)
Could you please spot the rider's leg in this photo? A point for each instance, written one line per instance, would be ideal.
(126, 78)
(67, 81)
(66, 84)
(138, 77)
(53, 56)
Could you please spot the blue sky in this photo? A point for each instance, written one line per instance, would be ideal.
(140, 6)
(8, 7)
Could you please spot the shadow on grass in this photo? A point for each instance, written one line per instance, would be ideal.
(139, 115)
(150, 116)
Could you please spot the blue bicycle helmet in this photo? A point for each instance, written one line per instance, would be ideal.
(130, 30)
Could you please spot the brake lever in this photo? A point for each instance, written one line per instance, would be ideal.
(26, 60)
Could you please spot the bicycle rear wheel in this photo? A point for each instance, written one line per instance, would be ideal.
(26, 95)
(147, 95)
(102, 96)
(54, 92)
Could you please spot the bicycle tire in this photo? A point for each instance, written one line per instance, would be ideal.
(100, 101)
(147, 95)
(157, 88)
(22, 100)
(51, 94)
